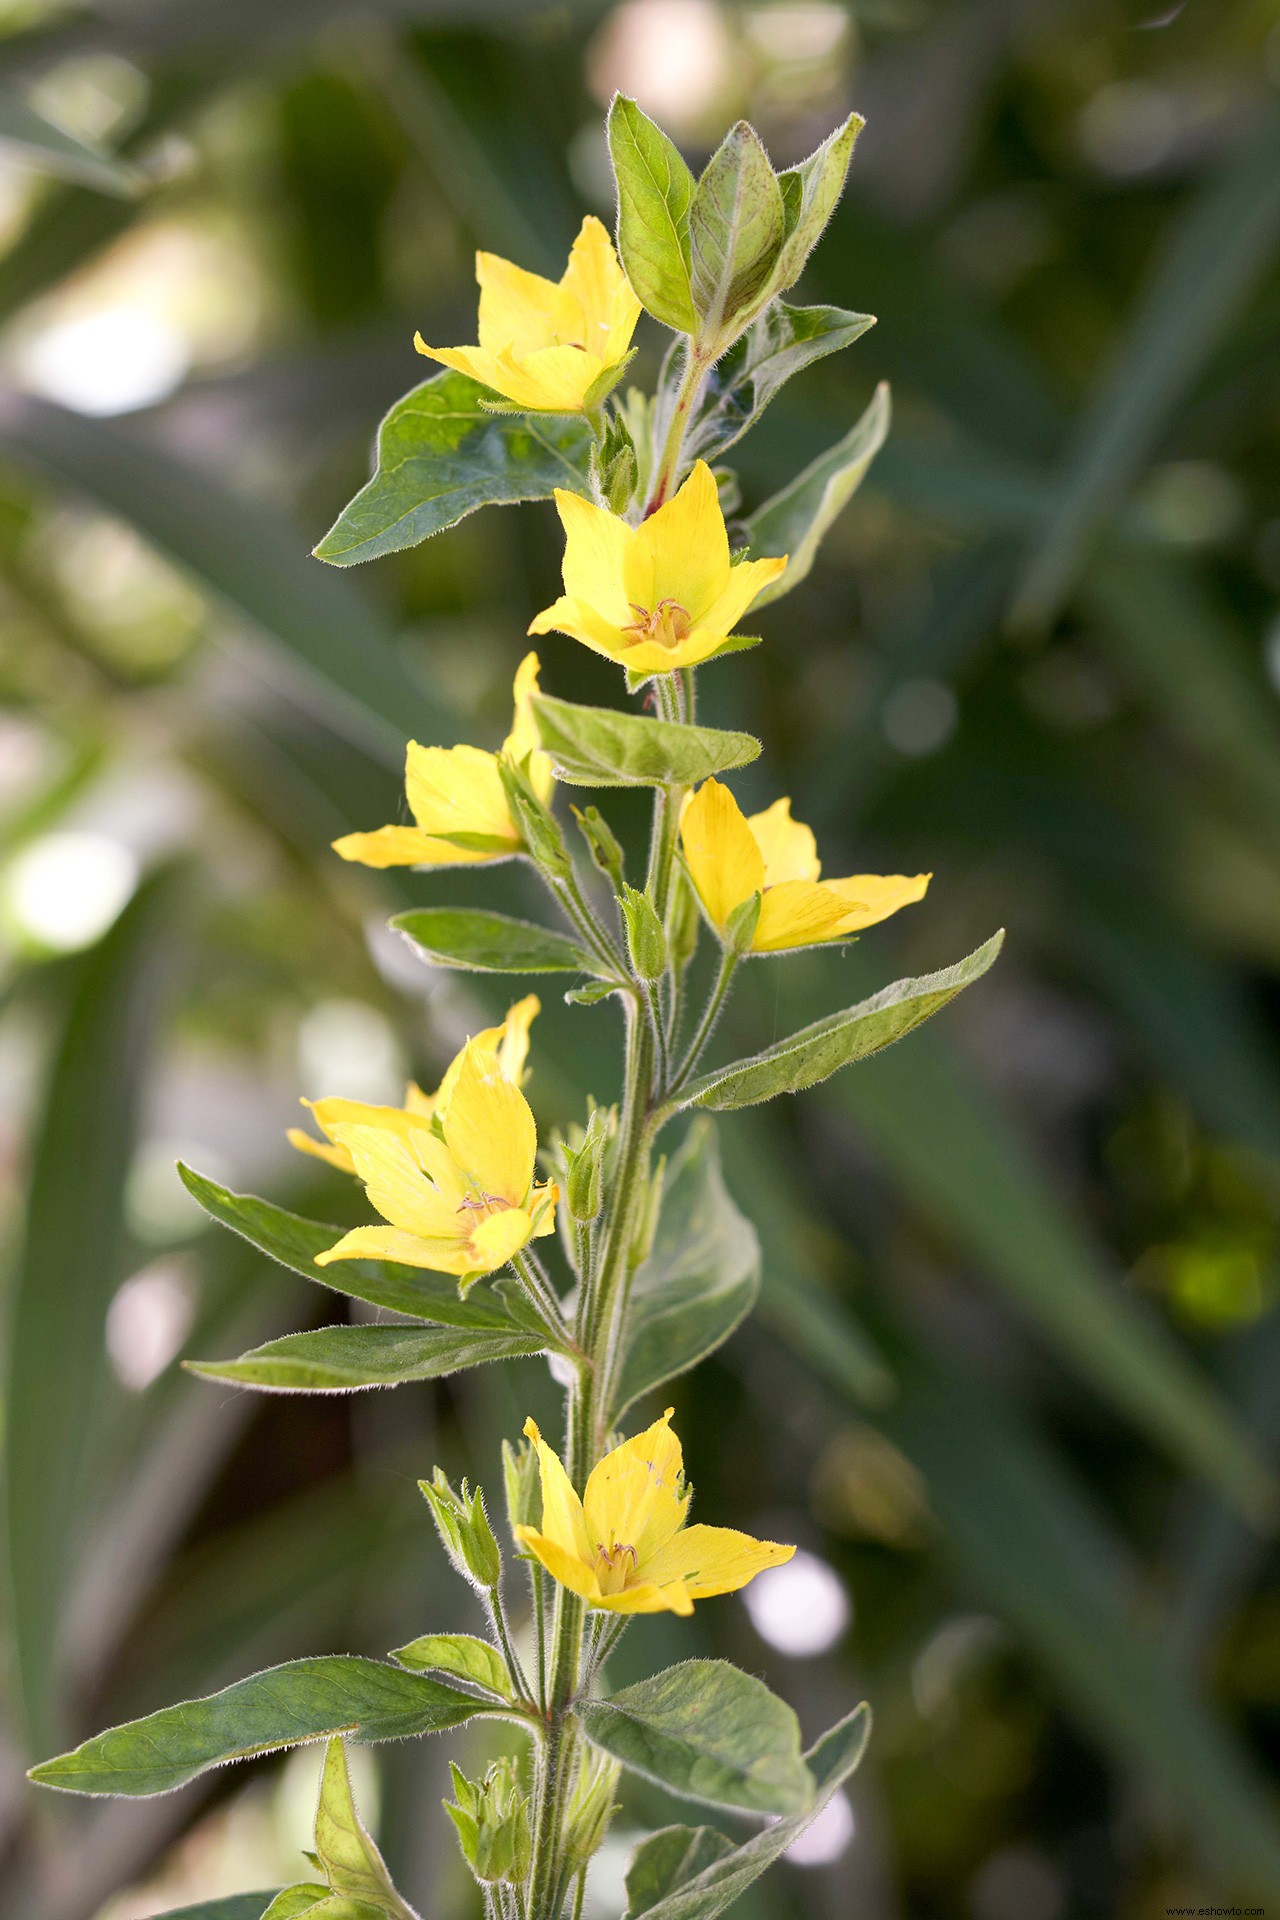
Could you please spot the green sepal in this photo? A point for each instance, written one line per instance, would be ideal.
(816, 1052)
(602, 843)
(442, 454)
(604, 747)
(646, 941)
(796, 521)
(709, 1732)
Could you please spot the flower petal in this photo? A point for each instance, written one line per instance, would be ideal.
(871, 897)
(390, 1166)
(399, 847)
(725, 863)
(595, 282)
(562, 1516)
(632, 1496)
(478, 363)
(597, 548)
(457, 790)
(688, 545)
(490, 1129)
(390, 1243)
(522, 743)
(789, 848)
(321, 1149)
(798, 913)
(744, 582)
(518, 309)
(496, 1236)
(563, 1566)
(711, 1560)
(648, 1598)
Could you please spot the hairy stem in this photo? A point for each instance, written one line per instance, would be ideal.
(706, 1025)
(696, 368)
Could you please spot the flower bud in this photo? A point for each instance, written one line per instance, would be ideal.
(682, 919)
(584, 1168)
(649, 1214)
(602, 842)
(646, 941)
(523, 1484)
(537, 823)
(591, 1806)
(492, 1821)
(463, 1526)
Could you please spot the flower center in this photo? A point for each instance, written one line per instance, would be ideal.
(615, 1566)
(669, 623)
(483, 1204)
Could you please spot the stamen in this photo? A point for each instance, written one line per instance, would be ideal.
(669, 623)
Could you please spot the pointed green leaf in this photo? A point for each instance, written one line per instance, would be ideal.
(286, 1706)
(602, 747)
(239, 1906)
(441, 455)
(291, 1902)
(722, 1876)
(700, 1280)
(810, 194)
(459, 1654)
(655, 189)
(343, 1359)
(796, 521)
(479, 942)
(295, 1242)
(319, 1904)
(736, 230)
(709, 1732)
(781, 341)
(818, 1051)
(345, 1850)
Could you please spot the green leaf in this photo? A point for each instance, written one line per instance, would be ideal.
(818, 1051)
(295, 1242)
(810, 194)
(602, 747)
(700, 1280)
(238, 1906)
(797, 520)
(478, 942)
(736, 230)
(668, 1860)
(655, 189)
(690, 1877)
(286, 1706)
(53, 150)
(441, 455)
(781, 341)
(69, 1267)
(709, 1732)
(346, 1852)
(459, 1654)
(291, 1902)
(343, 1359)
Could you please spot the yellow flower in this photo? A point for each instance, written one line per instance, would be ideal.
(457, 1189)
(660, 595)
(509, 1047)
(625, 1546)
(457, 798)
(730, 857)
(544, 343)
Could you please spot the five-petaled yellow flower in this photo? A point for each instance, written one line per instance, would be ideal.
(457, 1189)
(457, 798)
(624, 1545)
(660, 595)
(731, 856)
(544, 344)
(509, 1047)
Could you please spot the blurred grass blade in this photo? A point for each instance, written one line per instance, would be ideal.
(51, 149)
(1215, 257)
(955, 1157)
(336, 648)
(68, 1271)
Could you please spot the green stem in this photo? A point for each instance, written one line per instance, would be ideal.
(498, 1617)
(578, 910)
(706, 1026)
(696, 367)
(537, 1284)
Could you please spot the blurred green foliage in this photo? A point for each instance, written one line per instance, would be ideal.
(1014, 1374)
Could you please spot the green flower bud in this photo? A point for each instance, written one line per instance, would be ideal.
(646, 941)
(523, 1484)
(491, 1817)
(601, 841)
(740, 927)
(591, 1806)
(682, 919)
(584, 1167)
(465, 1533)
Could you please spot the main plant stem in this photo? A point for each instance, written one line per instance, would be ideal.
(696, 367)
